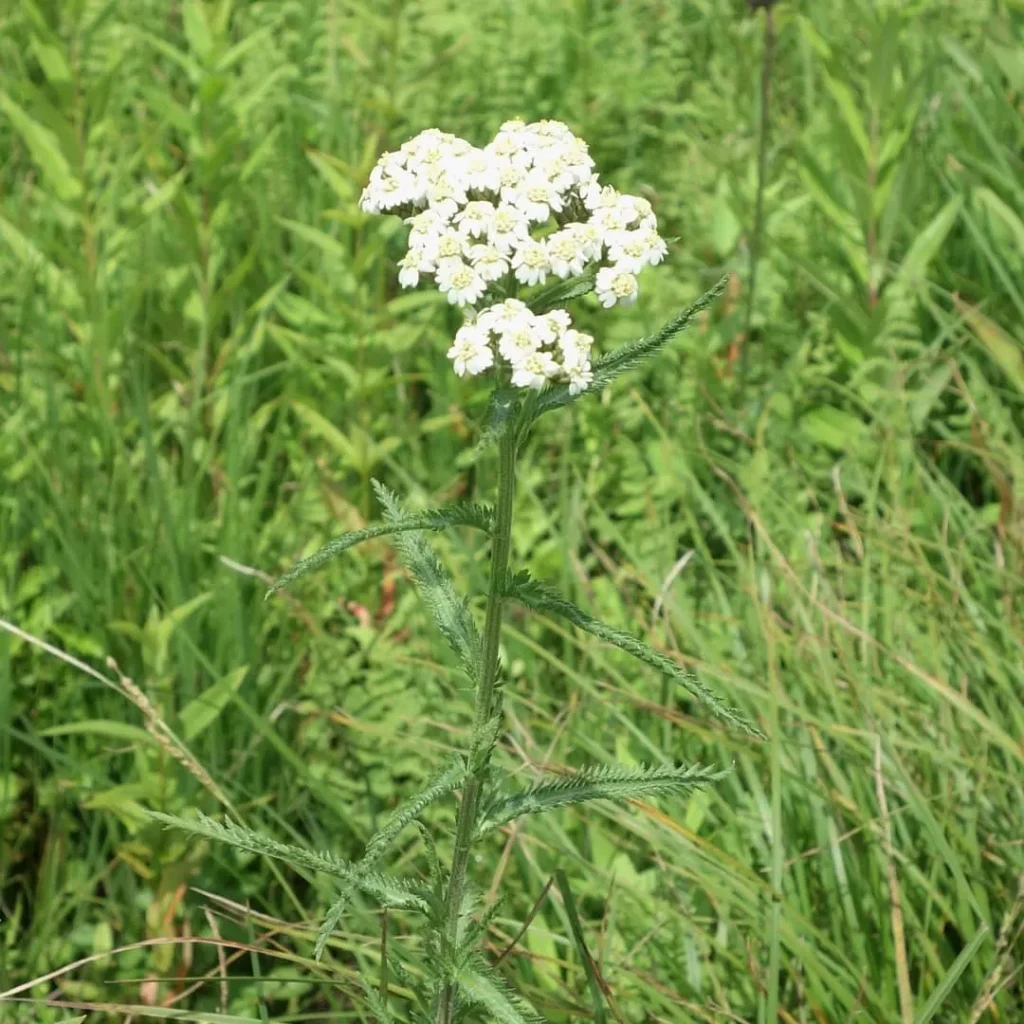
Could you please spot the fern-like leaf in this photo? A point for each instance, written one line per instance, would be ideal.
(557, 295)
(436, 587)
(603, 782)
(477, 516)
(450, 777)
(330, 922)
(541, 597)
(614, 364)
(246, 839)
(485, 987)
(392, 893)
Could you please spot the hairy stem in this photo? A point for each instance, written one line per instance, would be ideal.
(487, 706)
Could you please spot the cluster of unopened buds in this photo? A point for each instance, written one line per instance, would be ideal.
(484, 222)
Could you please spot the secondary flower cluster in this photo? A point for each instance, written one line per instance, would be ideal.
(537, 347)
(526, 206)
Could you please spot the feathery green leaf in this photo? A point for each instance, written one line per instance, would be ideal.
(558, 294)
(330, 922)
(449, 777)
(477, 516)
(436, 587)
(602, 782)
(246, 839)
(608, 367)
(394, 893)
(484, 987)
(542, 597)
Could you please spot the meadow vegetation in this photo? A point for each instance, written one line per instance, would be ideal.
(814, 502)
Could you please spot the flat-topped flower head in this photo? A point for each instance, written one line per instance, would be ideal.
(526, 206)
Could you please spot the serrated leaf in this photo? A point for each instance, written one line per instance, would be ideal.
(542, 597)
(477, 516)
(330, 922)
(249, 841)
(436, 587)
(602, 782)
(557, 295)
(484, 987)
(614, 364)
(450, 777)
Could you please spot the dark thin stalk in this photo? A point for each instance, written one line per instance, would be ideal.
(767, 55)
(487, 705)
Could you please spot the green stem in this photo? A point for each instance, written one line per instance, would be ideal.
(487, 706)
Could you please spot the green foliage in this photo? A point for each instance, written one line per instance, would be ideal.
(484, 988)
(608, 367)
(436, 587)
(477, 516)
(604, 782)
(449, 778)
(542, 597)
(205, 359)
(250, 841)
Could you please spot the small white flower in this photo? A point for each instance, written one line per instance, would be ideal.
(505, 316)
(508, 228)
(657, 249)
(475, 218)
(575, 347)
(530, 262)
(534, 371)
(414, 263)
(448, 245)
(482, 171)
(580, 375)
(488, 262)
(461, 284)
(598, 197)
(537, 197)
(615, 285)
(565, 253)
(634, 250)
(471, 352)
(558, 320)
(512, 177)
(518, 342)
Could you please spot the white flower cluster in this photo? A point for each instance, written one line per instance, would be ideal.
(526, 206)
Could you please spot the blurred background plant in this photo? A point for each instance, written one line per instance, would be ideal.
(202, 348)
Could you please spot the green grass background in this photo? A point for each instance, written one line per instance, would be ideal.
(204, 359)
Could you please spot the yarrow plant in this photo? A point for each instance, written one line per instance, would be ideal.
(489, 226)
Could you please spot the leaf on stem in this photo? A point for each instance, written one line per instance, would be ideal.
(436, 587)
(541, 597)
(558, 294)
(450, 777)
(477, 516)
(612, 365)
(484, 987)
(246, 839)
(601, 782)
